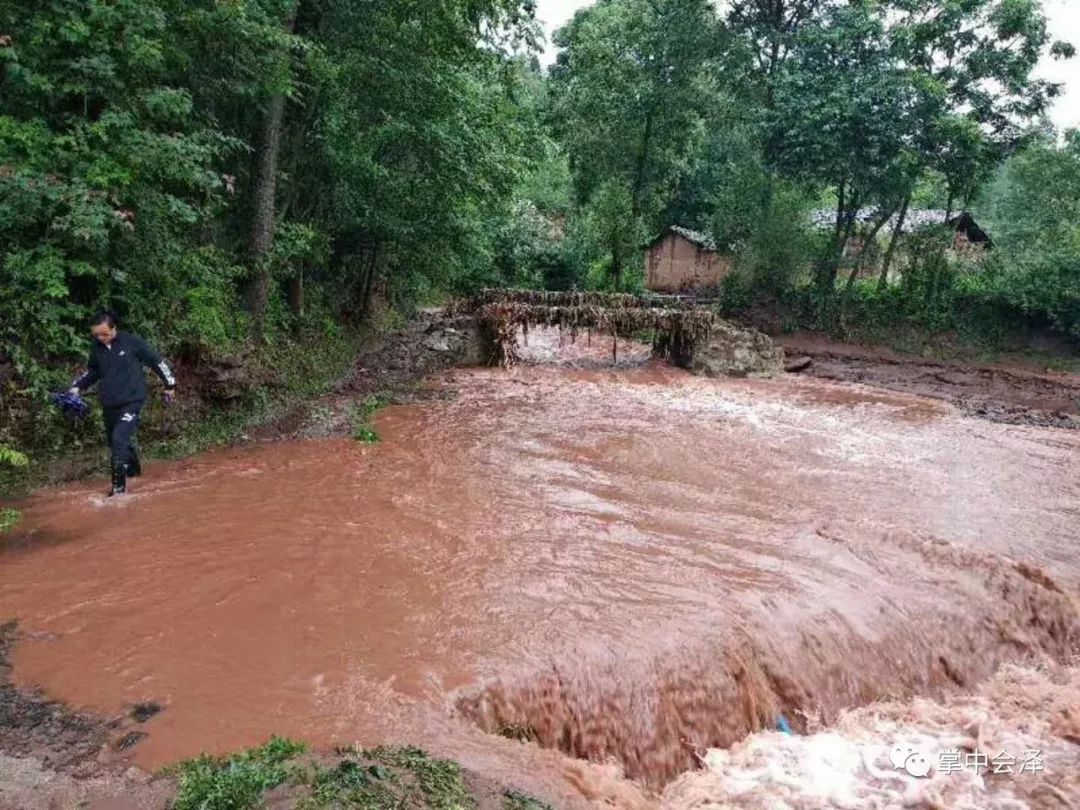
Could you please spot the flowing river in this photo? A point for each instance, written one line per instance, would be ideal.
(617, 566)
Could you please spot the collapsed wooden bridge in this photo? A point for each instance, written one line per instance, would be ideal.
(674, 325)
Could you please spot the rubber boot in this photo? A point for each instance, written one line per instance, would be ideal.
(119, 480)
(134, 468)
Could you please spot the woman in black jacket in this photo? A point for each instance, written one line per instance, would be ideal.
(116, 364)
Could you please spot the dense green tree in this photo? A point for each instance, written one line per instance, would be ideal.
(844, 116)
(631, 90)
(768, 29)
(868, 97)
(158, 157)
(1033, 209)
(217, 171)
(420, 136)
(107, 170)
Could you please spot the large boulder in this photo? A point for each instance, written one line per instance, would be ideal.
(734, 352)
(453, 342)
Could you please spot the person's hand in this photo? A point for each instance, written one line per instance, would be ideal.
(74, 390)
(168, 396)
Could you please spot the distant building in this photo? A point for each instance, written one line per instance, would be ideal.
(968, 232)
(682, 260)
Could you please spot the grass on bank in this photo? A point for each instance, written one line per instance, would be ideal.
(961, 322)
(236, 782)
(11, 459)
(303, 370)
(384, 778)
(360, 418)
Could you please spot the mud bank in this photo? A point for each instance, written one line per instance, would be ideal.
(54, 757)
(392, 368)
(1009, 394)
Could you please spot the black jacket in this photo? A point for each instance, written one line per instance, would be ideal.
(119, 368)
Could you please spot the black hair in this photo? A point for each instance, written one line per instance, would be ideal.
(105, 316)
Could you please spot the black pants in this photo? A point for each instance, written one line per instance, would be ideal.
(121, 425)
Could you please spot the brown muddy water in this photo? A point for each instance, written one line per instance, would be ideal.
(625, 566)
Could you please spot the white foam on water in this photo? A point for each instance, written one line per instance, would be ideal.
(1016, 713)
(853, 433)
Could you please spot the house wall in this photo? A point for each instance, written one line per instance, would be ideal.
(675, 264)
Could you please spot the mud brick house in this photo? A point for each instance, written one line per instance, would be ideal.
(682, 260)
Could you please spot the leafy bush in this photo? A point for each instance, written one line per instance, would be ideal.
(360, 418)
(928, 280)
(736, 292)
(10, 458)
(779, 246)
(237, 782)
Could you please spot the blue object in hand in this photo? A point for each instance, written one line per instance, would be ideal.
(71, 404)
(782, 724)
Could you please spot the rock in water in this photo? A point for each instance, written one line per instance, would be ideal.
(734, 352)
(798, 364)
(439, 342)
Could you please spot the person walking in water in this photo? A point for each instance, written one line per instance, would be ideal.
(116, 363)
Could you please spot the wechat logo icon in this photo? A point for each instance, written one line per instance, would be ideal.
(906, 758)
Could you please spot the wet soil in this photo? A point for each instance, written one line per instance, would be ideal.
(1014, 393)
(52, 756)
(393, 368)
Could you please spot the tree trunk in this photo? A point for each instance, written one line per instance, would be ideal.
(616, 266)
(827, 268)
(886, 263)
(262, 220)
(770, 77)
(642, 164)
(840, 208)
(866, 246)
(296, 293)
(369, 278)
(264, 193)
(848, 217)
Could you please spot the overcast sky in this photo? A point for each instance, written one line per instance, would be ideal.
(1064, 24)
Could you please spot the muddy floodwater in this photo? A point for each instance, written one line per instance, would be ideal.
(618, 566)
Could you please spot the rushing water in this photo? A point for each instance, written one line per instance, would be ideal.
(620, 565)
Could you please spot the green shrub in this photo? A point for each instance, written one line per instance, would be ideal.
(11, 458)
(360, 418)
(237, 782)
(9, 518)
(388, 778)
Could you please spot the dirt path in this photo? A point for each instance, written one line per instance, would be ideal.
(1007, 393)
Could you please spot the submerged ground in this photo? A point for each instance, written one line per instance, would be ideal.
(558, 564)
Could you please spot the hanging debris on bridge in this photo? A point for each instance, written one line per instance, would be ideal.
(674, 326)
(681, 332)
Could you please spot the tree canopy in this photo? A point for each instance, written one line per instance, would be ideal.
(221, 172)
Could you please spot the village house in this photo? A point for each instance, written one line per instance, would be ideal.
(969, 240)
(682, 260)
(968, 233)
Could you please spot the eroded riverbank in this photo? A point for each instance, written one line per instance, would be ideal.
(627, 564)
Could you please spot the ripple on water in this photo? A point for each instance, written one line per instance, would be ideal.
(619, 564)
